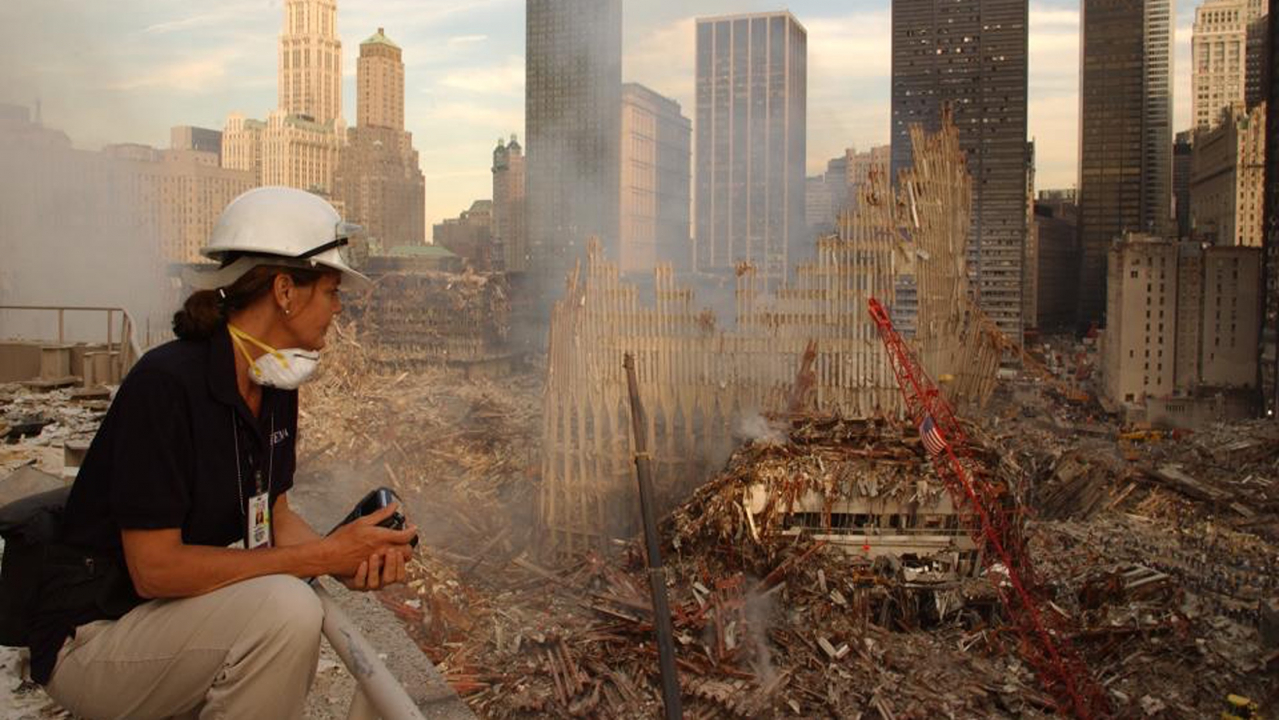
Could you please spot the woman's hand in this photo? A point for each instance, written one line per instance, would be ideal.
(379, 571)
(366, 557)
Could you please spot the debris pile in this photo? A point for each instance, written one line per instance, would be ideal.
(458, 451)
(35, 425)
(767, 622)
(433, 317)
(770, 622)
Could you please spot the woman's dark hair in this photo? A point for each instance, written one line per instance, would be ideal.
(206, 311)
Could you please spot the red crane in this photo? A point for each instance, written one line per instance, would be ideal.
(1040, 628)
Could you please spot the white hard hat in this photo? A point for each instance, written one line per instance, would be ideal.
(277, 226)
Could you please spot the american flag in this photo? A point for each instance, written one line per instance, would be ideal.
(931, 435)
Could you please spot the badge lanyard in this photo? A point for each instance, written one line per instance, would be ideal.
(257, 517)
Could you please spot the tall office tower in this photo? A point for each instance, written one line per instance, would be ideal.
(970, 56)
(655, 182)
(1030, 251)
(379, 82)
(1219, 58)
(752, 105)
(837, 181)
(1125, 153)
(819, 205)
(378, 179)
(1256, 74)
(1057, 275)
(509, 234)
(572, 115)
(310, 72)
(1181, 155)
(299, 142)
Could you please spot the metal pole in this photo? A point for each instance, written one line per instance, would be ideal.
(61, 334)
(656, 574)
(361, 708)
(377, 683)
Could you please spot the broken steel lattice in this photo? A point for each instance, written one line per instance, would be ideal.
(1044, 644)
(700, 381)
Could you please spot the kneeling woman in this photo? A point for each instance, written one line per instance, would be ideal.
(195, 604)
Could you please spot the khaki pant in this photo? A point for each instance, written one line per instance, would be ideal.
(248, 650)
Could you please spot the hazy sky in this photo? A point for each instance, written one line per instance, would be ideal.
(127, 70)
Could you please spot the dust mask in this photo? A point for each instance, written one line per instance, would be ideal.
(284, 369)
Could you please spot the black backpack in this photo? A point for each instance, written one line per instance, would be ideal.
(30, 528)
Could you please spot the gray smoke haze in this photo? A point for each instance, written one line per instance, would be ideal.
(73, 231)
(74, 228)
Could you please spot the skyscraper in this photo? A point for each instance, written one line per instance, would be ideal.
(310, 68)
(752, 105)
(379, 83)
(510, 235)
(1219, 58)
(298, 144)
(572, 115)
(656, 181)
(1125, 153)
(970, 56)
(378, 179)
(1227, 179)
(1181, 155)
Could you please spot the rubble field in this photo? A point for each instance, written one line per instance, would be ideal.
(1161, 554)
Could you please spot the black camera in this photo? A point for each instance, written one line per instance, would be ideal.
(375, 501)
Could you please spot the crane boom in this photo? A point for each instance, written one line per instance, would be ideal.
(996, 532)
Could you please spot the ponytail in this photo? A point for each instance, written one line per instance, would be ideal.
(205, 312)
(200, 317)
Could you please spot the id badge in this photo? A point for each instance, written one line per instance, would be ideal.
(259, 519)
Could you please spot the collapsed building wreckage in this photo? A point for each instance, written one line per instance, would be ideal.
(423, 317)
(704, 386)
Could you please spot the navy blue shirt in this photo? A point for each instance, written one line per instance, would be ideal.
(166, 457)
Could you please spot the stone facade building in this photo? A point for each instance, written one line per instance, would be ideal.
(187, 137)
(378, 180)
(1220, 58)
(1227, 179)
(510, 235)
(1183, 324)
(179, 194)
(299, 143)
(310, 64)
(469, 235)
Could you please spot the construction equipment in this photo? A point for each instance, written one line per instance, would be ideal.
(996, 531)
(1239, 707)
(1031, 364)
